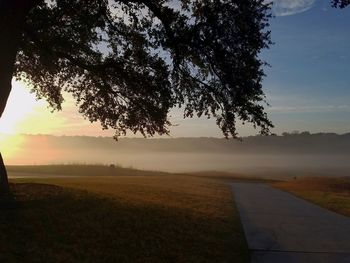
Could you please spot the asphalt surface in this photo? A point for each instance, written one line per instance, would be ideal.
(282, 228)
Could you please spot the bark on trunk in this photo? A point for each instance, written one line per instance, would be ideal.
(4, 187)
(12, 18)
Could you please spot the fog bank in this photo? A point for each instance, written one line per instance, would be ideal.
(320, 154)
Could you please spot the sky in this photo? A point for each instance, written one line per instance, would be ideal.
(307, 85)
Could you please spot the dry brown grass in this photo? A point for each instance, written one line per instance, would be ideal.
(235, 177)
(154, 218)
(77, 170)
(331, 193)
(174, 191)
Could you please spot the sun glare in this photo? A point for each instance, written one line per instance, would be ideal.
(10, 145)
(21, 103)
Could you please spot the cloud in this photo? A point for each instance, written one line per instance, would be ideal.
(309, 109)
(291, 7)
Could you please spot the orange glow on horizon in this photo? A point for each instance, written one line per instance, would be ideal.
(23, 114)
(10, 145)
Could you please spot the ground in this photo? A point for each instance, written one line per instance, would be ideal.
(162, 218)
(331, 193)
(281, 227)
(134, 216)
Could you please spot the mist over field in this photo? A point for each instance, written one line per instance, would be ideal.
(288, 155)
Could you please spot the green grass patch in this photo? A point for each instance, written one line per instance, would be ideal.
(122, 219)
(331, 193)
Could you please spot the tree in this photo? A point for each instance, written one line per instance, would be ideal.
(128, 62)
(340, 3)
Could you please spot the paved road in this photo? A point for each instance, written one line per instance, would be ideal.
(282, 228)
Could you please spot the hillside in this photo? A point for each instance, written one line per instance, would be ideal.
(324, 153)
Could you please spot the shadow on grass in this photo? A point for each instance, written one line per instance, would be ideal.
(53, 224)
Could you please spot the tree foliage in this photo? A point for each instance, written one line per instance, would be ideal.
(340, 3)
(128, 62)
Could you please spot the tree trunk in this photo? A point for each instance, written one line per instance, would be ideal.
(12, 18)
(4, 187)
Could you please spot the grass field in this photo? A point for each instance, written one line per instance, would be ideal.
(79, 170)
(162, 218)
(331, 193)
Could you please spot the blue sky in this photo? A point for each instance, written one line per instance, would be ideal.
(308, 85)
